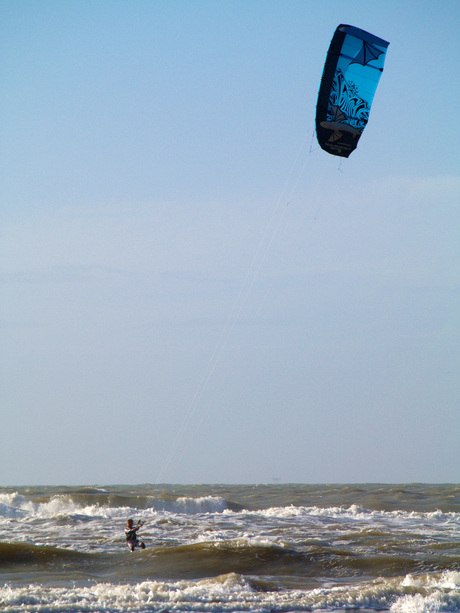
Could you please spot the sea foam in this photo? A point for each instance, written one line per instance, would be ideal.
(232, 592)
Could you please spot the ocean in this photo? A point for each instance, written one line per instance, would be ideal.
(236, 548)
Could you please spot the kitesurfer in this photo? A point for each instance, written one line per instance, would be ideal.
(131, 537)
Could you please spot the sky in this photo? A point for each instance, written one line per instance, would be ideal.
(192, 290)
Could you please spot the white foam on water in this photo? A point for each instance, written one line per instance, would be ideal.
(436, 602)
(429, 594)
(418, 522)
(447, 580)
(63, 522)
(14, 505)
(234, 593)
(190, 506)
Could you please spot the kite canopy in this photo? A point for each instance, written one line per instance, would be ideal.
(352, 70)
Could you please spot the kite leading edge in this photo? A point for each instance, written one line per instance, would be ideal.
(353, 66)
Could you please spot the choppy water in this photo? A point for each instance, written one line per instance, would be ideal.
(231, 548)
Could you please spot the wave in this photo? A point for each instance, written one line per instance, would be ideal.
(13, 555)
(190, 506)
(184, 561)
(235, 592)
(96, 504)
(93, 502)
(245, 556)
(355, 512)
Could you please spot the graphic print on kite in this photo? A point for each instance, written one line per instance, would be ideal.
(353, 66)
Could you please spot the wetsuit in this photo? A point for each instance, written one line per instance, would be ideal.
(131, 538)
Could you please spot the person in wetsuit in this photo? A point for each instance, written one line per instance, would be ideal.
(131, 537)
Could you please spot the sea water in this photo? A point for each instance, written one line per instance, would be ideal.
(231, 548)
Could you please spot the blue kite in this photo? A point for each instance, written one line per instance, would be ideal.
(353, 66)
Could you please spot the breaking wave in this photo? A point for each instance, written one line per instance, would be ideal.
(234, 592)
(16, 506)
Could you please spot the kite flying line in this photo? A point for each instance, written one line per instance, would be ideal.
(272, 228)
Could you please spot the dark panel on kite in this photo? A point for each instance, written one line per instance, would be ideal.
(351, 73)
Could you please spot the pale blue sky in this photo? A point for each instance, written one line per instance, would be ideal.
(193, 291)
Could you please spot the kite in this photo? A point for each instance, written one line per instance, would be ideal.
(353, 66)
